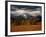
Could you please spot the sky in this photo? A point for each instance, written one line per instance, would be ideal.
(18, 10)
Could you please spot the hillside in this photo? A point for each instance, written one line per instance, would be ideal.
(22, 24)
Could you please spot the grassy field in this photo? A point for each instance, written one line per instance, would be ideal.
(25, 25)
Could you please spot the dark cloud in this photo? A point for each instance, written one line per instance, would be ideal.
(13, 7)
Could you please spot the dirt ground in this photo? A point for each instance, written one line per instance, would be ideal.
(25, 26)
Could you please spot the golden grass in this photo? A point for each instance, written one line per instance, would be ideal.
(25, 25)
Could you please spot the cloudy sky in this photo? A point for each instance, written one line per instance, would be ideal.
(17, 10)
